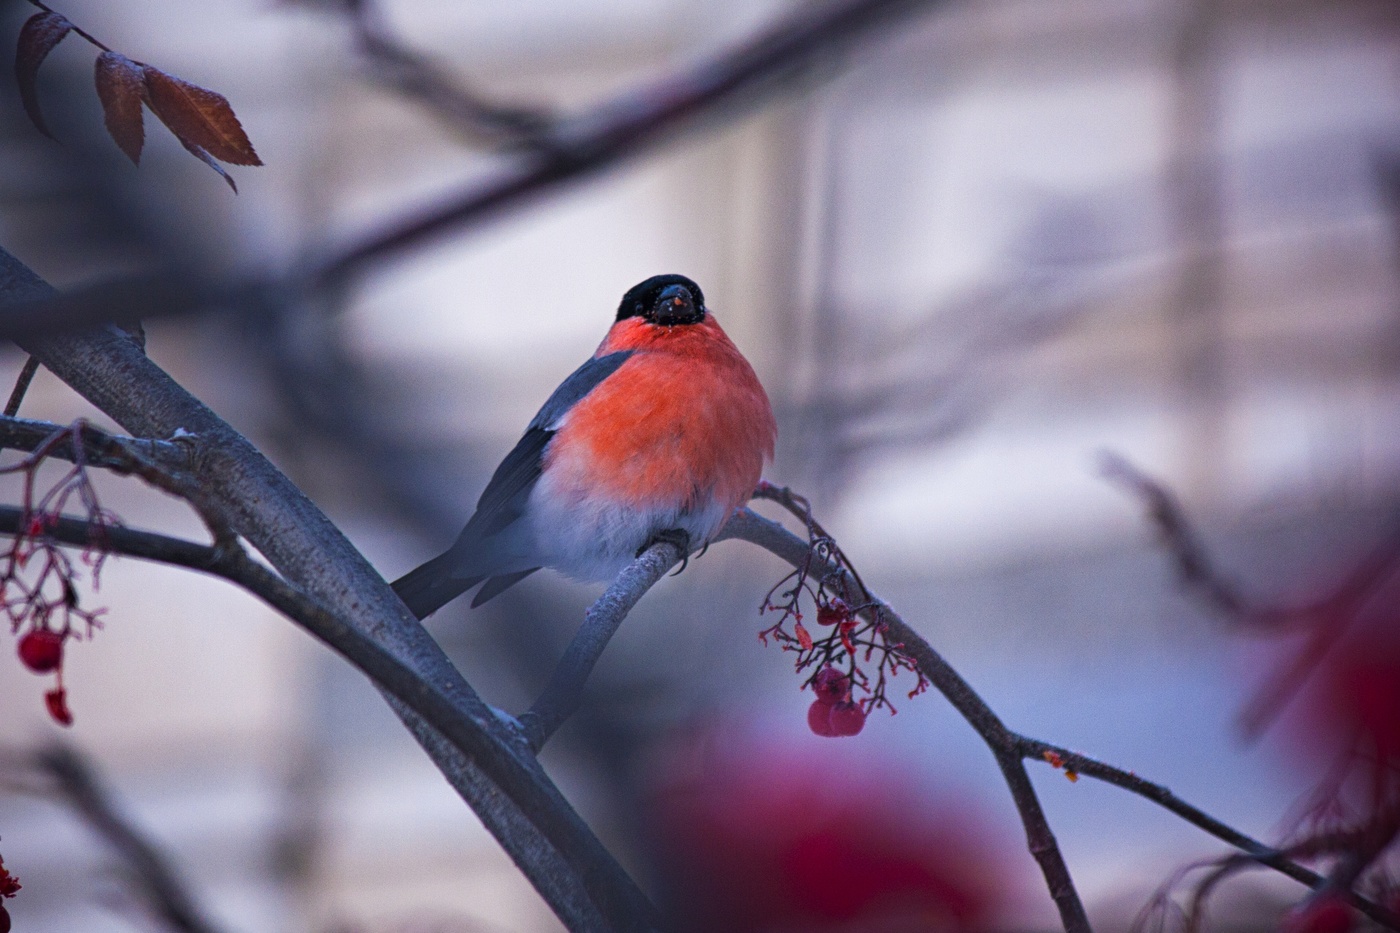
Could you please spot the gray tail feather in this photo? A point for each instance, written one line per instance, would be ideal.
(426, 589)
(497, 585)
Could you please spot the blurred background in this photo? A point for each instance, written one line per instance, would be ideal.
(965, 257)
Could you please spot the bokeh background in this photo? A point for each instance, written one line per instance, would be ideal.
(964, 258)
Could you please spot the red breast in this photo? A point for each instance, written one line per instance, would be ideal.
(684, 422)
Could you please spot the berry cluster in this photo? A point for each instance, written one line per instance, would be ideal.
(9, 886)
(833, 712)
(852, 637)
(38, 592)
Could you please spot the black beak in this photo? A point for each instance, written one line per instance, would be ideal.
(675, 305)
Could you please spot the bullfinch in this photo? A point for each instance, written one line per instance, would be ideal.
(660, 436)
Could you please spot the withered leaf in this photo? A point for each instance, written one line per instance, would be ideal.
(121, 86)
(37, 38)
(199, 118)
(210, 161)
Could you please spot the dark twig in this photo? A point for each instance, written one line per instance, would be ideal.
(1192, 562)
(561, 696)
(1004, 744)
(146, 545)
(510, 767)
(79, 784)
(423, 80)
(266, 509)
(637, 120)
(1007, 745)
(100, 449)
(1327, 618)
(26, 376)
(124, 301)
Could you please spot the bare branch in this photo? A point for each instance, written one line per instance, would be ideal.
(1009, 747)
(637, 120)
(99, 448)
(1329, 617)
(26, 376)
(508, 765)
(442, 93)
(264, 507)
(78, 783)
(1193, 563)
(146, 545)
(561, 696)
(1003, 743)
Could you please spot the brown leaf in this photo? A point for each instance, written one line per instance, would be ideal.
(37, 38)
(199, 117)
(210, 161)
(121, 86)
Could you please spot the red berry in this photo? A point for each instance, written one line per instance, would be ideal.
(831, 614)
(847, 718)
(41, 650)
(4, 920)
(831, 686)
(57, 702)
(1329, 915)
(819, 718)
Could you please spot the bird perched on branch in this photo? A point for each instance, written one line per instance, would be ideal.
(660, 436)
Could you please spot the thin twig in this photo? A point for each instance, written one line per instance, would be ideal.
(100, 449)
(1328, 617)
(26, 376)
(748, 526)
(79, 784)
(561, 696)
(1003, 743)
(635, 121)
(423, 80)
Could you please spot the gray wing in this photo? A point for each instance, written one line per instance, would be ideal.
(467, 563)
(503, 500)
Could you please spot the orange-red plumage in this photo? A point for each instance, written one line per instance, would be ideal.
(684, 418)
(663, 433)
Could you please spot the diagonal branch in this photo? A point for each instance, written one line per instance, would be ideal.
(561, 696)
(1003, 742)
(259, 503)
(1007, 745)
(80, 785)
(637, 120)
(1328, 617)
(508, 766)
(422, 80)
(26, 376)
(100, 449)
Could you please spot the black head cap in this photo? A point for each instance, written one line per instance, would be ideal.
(664, 299)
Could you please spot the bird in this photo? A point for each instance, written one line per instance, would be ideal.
(661, 435)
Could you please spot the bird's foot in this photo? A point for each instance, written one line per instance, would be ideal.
(677, 536)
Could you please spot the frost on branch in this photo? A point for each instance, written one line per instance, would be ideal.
(850, 659)
(38, 578)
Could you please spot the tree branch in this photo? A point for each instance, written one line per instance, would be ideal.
(78, 783)
(99, 448)
(1003, 743)
(1008, 746)
(637, 120)
(263, 506)
(1329, 617)
(128, 542)
(506, 766)
(561, 696)
(26, 376)
(424, 81)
